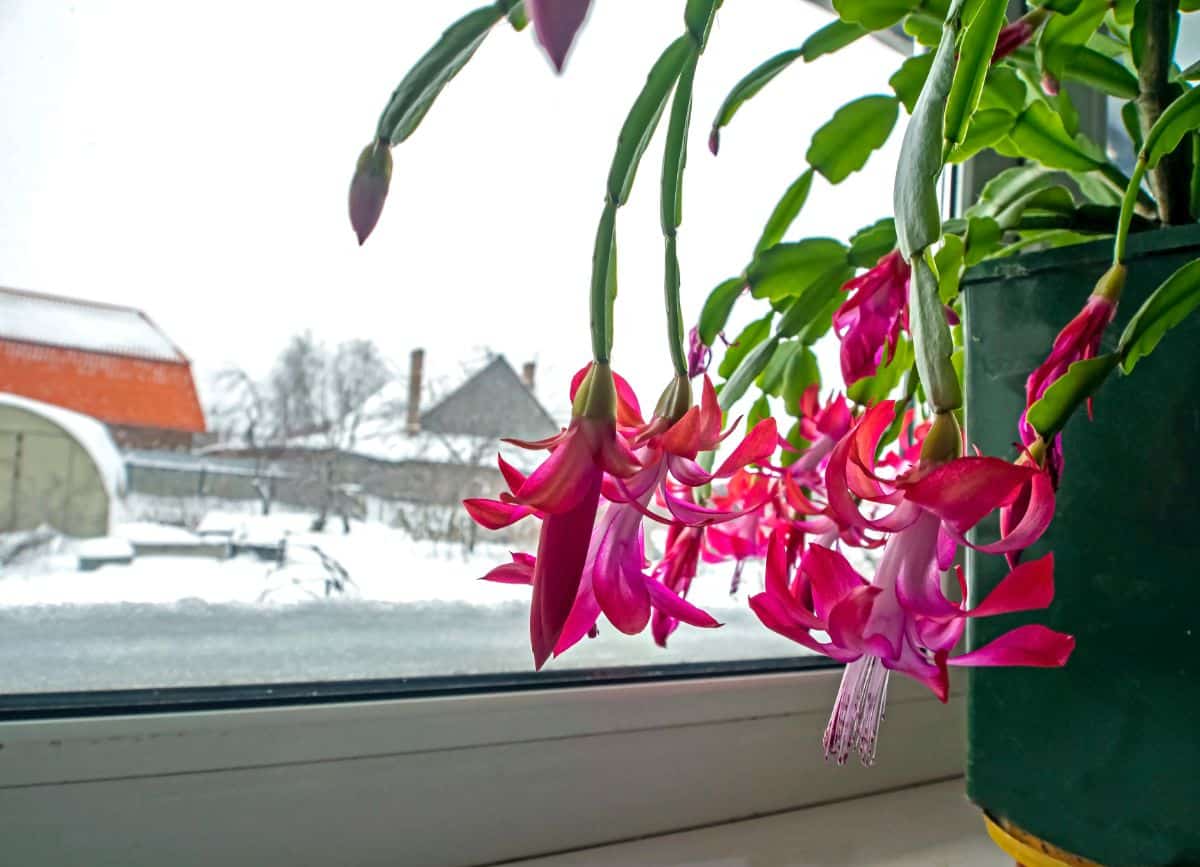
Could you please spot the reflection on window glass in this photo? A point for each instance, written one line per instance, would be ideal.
(233, 443)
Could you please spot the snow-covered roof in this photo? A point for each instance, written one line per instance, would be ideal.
(72, 323)
(89, 433)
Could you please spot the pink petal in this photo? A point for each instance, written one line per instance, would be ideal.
(1035, 645)
(513, 477)
(617, 580)
(701, 516)
(964, 490)
(677, 607)
(775, 616)
(689, 472)
(683, 437)
(582, 619)
(832, 576)
(494, 514)
(947, 548)
(758, 445)
(520, 571)
(537, 445)
(1031, 523)
(564, 478)
(629, 411)
(777, 566)
(1028, 587)
(855, 624)
(616, 458)
(562, 552)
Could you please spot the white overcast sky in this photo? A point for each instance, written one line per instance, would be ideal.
(192, 160)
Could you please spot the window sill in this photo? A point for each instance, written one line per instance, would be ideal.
(922, 826)
(457, 780)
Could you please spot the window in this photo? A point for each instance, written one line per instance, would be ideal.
(231, 440)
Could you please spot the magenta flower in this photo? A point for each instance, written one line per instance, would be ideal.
(676, 571)
(616, 583)
(592, 495)
(1078, 341)
(869, 322)
(565, 491)
(556, 23)
(899, 621)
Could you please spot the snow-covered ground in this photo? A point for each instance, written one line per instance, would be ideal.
(410, 608)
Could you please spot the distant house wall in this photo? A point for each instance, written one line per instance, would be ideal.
(297, 477)
(493, 403)
(47, 477)
(130, 437)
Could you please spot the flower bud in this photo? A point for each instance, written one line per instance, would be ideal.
(699, 356)
(597, 394)
(369, 187)
(1111, 283)
(676, 400)
(943, 443)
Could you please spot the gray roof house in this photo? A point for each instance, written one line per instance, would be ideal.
(396, 451)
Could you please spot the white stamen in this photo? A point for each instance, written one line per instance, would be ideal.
(858, 711)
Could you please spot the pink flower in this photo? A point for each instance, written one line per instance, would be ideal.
(565, 492)
(1078, 341)
(869, 322)
(591, 554)
(619, 586)
(556, 22)
(676, 571)
(898, 621)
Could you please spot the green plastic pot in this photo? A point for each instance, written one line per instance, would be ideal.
(1102, 757)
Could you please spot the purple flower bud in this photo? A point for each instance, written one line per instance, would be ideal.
(699, 355)
(556, 22)
(369, 187)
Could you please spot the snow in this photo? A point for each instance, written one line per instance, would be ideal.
(92, 436)
(409, 608)
(75, 324)
(150, 533)
(104, 548)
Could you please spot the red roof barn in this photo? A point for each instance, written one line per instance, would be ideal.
(112, 363)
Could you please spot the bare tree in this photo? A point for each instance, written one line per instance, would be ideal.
(356, 373)
(240, 412)
(296, 387)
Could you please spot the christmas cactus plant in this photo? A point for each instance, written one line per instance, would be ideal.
(878, 461)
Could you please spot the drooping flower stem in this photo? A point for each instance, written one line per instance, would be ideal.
(675, 330)
(1128, 203)
(604, 284)
(698, 20)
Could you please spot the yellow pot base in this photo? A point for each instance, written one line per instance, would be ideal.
(1027, 850)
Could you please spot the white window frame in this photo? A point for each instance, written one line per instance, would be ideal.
(460, 780)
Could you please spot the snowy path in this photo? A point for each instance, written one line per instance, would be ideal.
(415, 609)
(82, 647)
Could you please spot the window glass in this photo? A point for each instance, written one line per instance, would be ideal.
(233, 441)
